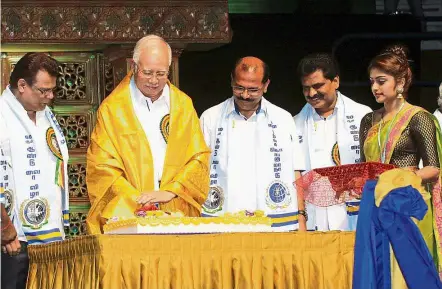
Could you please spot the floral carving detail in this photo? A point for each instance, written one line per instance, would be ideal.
(75, 129)
(146, 22)
(48, 23)
(108, 78)
(120, 73)
(71, 82)
(113, 22)
(80, 24)
(212, 22)
(77, 224)
(77, 181)
(13, 23)
(209, 22)
(175, 25)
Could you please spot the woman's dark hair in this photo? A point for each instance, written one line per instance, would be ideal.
(393, 60)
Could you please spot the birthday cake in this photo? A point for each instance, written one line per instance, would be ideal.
(159, 222)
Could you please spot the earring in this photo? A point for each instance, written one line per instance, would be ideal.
(399, 92)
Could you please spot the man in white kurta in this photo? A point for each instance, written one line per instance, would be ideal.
(33, 161)
(328, 130)
(438, 112)
(255, 152)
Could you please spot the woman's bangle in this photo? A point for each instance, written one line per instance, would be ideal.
(303, 213)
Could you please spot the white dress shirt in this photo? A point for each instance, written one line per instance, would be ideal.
(150, 115)
(242, 153)
(324, 137)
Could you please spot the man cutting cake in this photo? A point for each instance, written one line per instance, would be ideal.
(147, 147)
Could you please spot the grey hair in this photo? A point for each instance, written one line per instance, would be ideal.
(146, 41)
(439, 99)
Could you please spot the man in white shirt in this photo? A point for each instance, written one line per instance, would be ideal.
(328, 127)
(255, 153)
(147, 149)
(33, 164)
(438, 112)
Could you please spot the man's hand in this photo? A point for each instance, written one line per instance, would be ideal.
(155, 197)
(8, 230)
(8, 234)
(13, 248)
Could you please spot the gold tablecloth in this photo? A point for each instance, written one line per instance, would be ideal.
(213, 261)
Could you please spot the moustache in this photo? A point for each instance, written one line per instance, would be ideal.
(244, 99)
(316, 96)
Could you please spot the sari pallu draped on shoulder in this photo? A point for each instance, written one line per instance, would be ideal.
(120, 164)
(431, 225)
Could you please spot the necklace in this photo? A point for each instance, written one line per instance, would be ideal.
(383, 150)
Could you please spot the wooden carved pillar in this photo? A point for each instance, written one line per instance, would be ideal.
(174, 75)
(117, 60)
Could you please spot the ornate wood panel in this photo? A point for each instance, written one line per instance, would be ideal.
(79, 200)
(77, 124)
(197, 21)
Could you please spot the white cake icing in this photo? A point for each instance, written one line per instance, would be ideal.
(160, 223)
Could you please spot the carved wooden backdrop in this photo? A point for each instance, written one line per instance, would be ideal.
(108, 29)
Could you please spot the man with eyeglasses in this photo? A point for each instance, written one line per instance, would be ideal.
(255, 155)
(328, 127)
(33, 166)
(147, 150)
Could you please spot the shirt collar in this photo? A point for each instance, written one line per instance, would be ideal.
(141, 99)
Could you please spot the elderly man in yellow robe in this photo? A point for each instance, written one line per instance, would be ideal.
(147, 147)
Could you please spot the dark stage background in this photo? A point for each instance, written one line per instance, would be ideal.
(282, 40)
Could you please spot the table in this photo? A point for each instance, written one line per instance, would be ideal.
(311, 260)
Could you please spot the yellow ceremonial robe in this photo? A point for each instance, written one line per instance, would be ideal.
(120, 164)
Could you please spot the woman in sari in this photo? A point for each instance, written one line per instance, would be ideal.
(404, 135)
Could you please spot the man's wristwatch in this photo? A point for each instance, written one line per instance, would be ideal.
(304, 213)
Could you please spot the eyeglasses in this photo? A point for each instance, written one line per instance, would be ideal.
(250, 91)
(148, 74)
(47, 91)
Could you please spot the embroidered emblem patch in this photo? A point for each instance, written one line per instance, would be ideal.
(335, 154)
(9, 201)
(215, 200)
(51, 140)
(34, 213)
(278, 196)
(164, 127)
